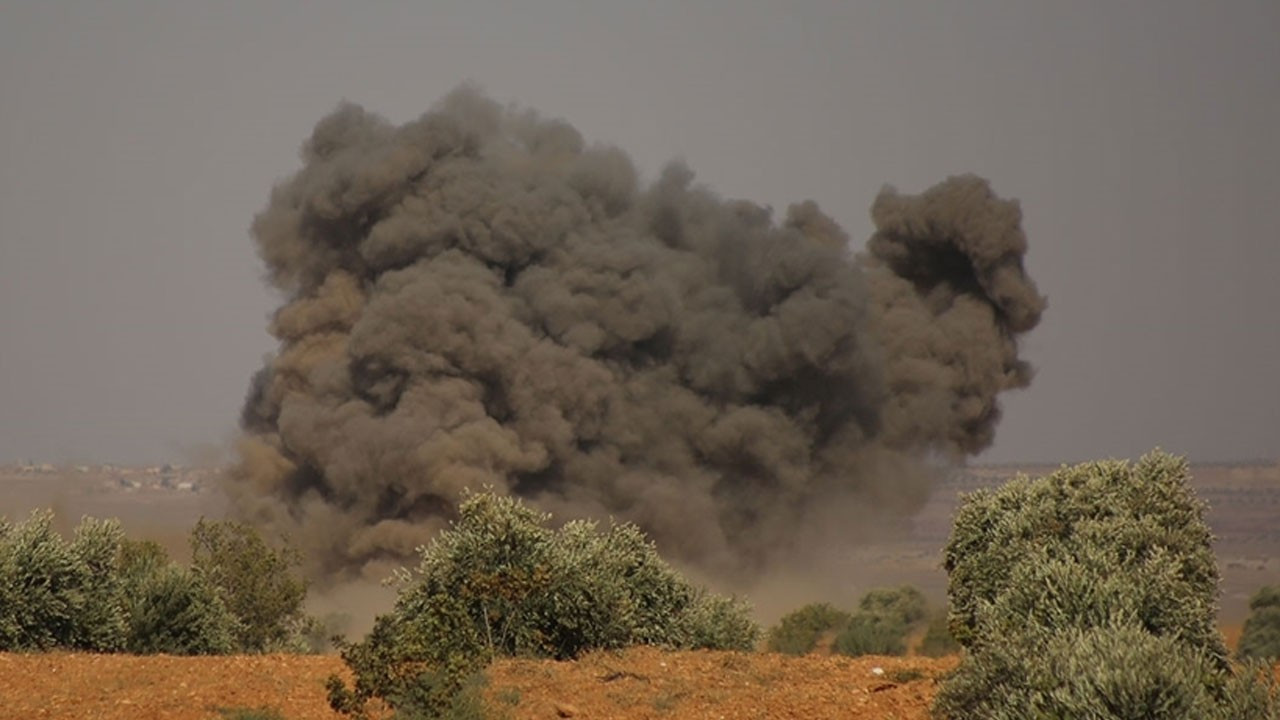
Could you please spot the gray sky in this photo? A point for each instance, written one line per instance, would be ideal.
(138, 139)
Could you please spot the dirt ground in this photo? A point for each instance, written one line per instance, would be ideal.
(645, 683)
(160, 687)
(641, 683)
(638, 683)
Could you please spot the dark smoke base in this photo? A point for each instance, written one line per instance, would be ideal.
(479, 298)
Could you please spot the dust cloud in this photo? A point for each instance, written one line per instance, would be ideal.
(482, 298)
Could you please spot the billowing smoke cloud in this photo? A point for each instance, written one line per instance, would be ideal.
(479, 298)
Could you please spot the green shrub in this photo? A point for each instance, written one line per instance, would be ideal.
(55, 593)
(1114, 671)
(1251, 693)
(174, 611)
(1260, 637)
(170, 610)
(937, 640)
(705, 621)
(256, 582)
(798, 632)
(1091, 593)
(1268, 596)
(501, 583)
(102, 592)
(882, 622)
(99, 615)
(139, 557)
(1132, 517)
(1097, 586)
(872, 633)
(905, 603)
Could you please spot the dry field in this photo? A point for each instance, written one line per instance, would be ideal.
(641, 683)
(638, 683)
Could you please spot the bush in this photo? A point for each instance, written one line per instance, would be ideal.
(884, 619)
(1260, 638)
(905, 603)
(1098, 586)
(1113, 671)
(103, 593)
(139, 557)
(798, 632)
(501, 583)
(1090, 593)
(1267, 596)
(256, 583)
(1118, 519)
(170, 609)
(880, 625)
(937, 640)
(55, 593)
(872, 633)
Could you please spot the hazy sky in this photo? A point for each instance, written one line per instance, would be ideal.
(138, 139)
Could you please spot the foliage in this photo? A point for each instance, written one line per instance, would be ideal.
(882, 622)
(1267, 596)
(55, 593)
(256, 582)
(1113, 671)
(903, 603)
(879, 626)
(873, 633)
(97, 608)
(798, 632)
(937, 639)
(139, 557)
(1091, 593)
(1096, 586)
(1111, 517)
(173, 610)
(1261, 635)
(501, 583)
(102, 592)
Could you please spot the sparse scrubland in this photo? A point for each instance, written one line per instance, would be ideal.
(1090, 592)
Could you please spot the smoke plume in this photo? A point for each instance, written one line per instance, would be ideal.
(479, 297)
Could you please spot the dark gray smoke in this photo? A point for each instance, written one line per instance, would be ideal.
(479, 297)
